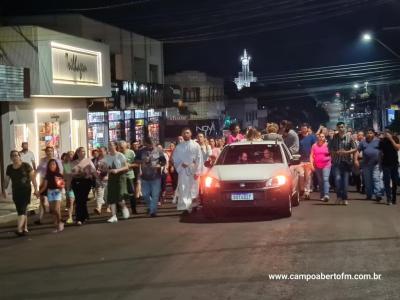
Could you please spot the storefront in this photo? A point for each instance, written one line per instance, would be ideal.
(65, 73)
(130, 125)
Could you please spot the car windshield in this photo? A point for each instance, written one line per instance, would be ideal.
(250, 154)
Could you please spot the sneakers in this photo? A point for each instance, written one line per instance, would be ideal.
(325, 199)
(345, 202)
(113, 219)
(388, 203)
(125, 213)
(307, 196)
(69, 221)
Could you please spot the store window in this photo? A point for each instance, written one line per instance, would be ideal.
(54, 130)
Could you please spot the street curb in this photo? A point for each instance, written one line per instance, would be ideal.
(8, 218)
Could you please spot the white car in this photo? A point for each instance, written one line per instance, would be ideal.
(252, 176)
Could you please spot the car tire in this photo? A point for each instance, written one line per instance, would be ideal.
(296, 199)
(286, 210)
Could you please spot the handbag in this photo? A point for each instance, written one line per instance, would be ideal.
(60, 183)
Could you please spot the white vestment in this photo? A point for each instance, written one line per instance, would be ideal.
(188, 153)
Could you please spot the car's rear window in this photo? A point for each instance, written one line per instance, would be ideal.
(250, 154)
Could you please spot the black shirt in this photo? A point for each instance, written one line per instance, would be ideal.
(389, 152)
(20, 177)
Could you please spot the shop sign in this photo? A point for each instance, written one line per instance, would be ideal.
(72, 65)
(208, 127)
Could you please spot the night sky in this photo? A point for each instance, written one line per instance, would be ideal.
(280, 35)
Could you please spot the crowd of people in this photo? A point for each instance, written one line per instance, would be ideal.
(336, 157)
(121, 174)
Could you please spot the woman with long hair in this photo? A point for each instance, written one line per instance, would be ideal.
(101, 181)
(215, 150)
(83, 172)
(69, 193)
(116, 185)
(54, 183)
(21, 175)
(171, 169)
(252, 134)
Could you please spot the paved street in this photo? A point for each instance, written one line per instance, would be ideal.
(173, 258)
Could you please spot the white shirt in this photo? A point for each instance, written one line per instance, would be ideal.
(28, 157)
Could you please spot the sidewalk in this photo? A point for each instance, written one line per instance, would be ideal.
(8, 212)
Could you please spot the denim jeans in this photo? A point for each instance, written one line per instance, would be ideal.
(372, 181)
(323, 180)
(390, 175)
(151, 193)
(341, 174)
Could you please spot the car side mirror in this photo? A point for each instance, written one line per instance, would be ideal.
(295, 160)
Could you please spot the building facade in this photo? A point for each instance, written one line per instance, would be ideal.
(202, 94)
(134, 57)
(65, 73)
(245, 111)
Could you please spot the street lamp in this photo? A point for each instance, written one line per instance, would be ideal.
(356, 86)
(368, 37)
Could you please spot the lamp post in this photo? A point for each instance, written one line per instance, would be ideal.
(368, 37)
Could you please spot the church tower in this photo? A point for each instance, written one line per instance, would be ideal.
(246, 76)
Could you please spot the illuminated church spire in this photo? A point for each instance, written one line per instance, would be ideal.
(246, 76)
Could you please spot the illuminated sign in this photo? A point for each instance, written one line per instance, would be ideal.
(72, 65)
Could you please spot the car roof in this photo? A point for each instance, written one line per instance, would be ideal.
(269, 142)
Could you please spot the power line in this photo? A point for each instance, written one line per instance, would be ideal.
(273, 25)
(105, 7)
(351, 75)
(331, 71)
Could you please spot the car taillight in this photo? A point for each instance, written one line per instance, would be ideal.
(276, 181)
(211, 182)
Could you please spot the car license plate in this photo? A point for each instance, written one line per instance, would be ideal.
(242, 196)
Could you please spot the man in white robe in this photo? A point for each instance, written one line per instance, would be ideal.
(188, 162)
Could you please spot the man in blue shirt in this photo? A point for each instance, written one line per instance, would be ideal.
(306, 140)
(370, 165)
